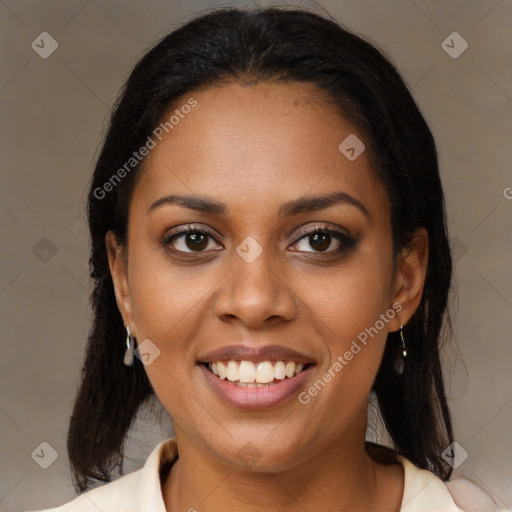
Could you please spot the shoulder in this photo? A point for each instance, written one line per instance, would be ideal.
(424, 490)
(138, 491)
(119, 493)
(470, 497)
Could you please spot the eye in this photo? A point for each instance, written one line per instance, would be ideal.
(189, 240)
(321, 239)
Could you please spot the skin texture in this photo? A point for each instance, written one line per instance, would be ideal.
(254, 148)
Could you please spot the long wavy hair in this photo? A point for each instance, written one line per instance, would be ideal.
(364, 87)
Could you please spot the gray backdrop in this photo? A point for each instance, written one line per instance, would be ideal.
(54, 108)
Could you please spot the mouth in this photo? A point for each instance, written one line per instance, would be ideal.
(255, 378)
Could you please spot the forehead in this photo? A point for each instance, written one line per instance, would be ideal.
(257, 146)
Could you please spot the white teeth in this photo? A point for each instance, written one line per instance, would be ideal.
(279, 370)
(265, 372)
(290, 369)
(221, 369)
(249, 374)
(232, 371)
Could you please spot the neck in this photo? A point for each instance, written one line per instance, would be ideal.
(341, 476)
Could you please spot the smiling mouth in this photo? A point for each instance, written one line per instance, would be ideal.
(262, 374)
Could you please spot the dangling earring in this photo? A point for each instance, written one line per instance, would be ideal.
(404, 352)
(130, 347)
(400, 360)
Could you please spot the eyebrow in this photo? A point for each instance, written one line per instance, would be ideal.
(294, 207)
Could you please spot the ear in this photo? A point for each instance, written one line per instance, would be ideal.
(409, 278)
(119, 273)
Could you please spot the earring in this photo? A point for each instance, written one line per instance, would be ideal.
(130, 347)
(400, 359)
(404, 352)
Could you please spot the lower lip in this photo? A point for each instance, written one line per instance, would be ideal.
(255, 398)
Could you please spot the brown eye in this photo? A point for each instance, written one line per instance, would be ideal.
(322, 239)
(189, 240)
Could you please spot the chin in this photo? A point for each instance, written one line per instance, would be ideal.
(261, 452)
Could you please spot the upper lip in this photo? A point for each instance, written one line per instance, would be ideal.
(242, 352)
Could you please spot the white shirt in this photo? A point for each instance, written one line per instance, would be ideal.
(140, 491)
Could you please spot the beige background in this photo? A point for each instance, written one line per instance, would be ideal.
(53, 114)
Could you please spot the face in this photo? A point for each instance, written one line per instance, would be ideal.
(289, 299)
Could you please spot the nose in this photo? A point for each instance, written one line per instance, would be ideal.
(255, 294)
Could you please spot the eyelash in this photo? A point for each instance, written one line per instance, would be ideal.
(346, 241)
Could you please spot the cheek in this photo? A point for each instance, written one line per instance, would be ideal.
(166, 306)
(165, 297)
(353, 313)
(350, 299)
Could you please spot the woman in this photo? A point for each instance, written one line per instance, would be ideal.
(268, 229)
